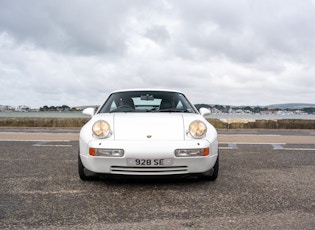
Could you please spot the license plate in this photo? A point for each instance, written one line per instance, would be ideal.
(149, 162)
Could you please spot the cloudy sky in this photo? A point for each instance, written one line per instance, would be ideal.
(75, 52)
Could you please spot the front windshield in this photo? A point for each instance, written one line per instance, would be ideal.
(147, 101)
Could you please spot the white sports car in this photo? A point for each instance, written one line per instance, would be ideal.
(148, 132)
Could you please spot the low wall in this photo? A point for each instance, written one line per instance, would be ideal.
(262, 124)
(218, 123)
(42, 122)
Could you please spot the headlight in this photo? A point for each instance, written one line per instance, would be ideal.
(101, 129)
(197, 129)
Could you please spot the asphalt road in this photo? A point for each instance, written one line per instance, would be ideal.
(261, 185)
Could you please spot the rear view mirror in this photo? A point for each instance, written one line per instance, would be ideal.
(147, 97)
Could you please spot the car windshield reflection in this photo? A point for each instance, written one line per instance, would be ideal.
(147, 101)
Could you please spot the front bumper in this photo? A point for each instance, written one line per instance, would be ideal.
(154, 150)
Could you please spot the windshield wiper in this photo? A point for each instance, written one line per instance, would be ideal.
(122, 110)
(174, 110)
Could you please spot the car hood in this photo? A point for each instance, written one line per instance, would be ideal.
(148, 126)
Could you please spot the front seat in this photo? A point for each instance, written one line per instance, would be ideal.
(127, 102)
(166, 104)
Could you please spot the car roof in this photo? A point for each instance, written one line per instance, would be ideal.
(146, 89)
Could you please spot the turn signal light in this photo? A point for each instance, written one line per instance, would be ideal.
(106, 152)
(192, 152)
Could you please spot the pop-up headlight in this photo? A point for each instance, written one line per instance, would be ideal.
(101, 129)
(197, 129)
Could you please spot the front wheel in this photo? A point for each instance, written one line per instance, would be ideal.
(213, 173)
(82, 170)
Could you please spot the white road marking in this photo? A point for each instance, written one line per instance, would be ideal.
(52, 145)
(276, 146)
(44, 144)
(230, 146)
(10, 140)
(299, 149)
(251, 143)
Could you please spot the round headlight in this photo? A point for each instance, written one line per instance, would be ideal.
(101, 129)
(197, 129)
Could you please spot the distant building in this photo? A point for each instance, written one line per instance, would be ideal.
(23, 108)
(6, 108)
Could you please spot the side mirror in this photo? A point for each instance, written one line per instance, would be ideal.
(204, 111)
(89, 111)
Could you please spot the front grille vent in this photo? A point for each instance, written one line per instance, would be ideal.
(127, 170)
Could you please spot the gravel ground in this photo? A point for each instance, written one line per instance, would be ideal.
(258, 187)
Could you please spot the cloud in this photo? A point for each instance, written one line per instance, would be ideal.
(219, 52)
(76, 27)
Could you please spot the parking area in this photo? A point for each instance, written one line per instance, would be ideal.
(260, 186)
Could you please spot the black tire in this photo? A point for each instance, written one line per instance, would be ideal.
(213, 173)
(81, 168)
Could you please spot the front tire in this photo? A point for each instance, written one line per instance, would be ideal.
(213, 173)
(82, 170)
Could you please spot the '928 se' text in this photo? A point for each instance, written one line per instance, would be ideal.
(149, 162)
